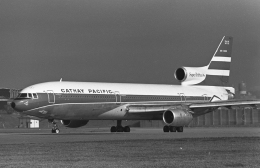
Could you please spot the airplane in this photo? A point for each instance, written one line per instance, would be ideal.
(202, 90)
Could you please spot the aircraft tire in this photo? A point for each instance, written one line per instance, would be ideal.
(120, 129)
(172, 129)
(126, 129)
(179, 129)
(113, 129)
(166, 128)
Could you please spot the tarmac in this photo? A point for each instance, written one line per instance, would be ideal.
(142, 147)
(14, 136)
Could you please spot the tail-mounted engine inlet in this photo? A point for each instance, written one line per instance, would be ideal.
(190, 75)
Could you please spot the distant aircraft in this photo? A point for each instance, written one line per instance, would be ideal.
(75, 103)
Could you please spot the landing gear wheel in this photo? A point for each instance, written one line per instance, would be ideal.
(55, 131)
(126, 129)
(55, 128)
(166, 128)
(113, 129)
(119, 127)
(179, 129)
(172, 129)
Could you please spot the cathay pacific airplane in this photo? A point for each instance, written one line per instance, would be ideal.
(202, 90)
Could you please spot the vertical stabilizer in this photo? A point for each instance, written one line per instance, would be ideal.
(216, 73)
(219, 67)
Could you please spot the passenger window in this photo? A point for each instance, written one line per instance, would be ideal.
(29, 95)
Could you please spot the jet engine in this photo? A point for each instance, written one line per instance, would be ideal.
(177, 117)
(74, 123)
(190, 75)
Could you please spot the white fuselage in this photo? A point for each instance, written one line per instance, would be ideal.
(127, 89)
(92, 100)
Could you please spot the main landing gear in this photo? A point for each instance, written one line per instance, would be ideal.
(55, 128)
(119, 127)
(167, 128)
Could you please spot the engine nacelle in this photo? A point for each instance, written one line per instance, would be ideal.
(191, 75)
(74, 123)
(177, 117)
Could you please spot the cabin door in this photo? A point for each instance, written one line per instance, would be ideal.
(118, 97)
(183, 97)
(51, 96)
(205, 97)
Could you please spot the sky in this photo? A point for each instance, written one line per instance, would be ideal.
(124, 41)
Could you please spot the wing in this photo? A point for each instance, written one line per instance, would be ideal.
(196, 109)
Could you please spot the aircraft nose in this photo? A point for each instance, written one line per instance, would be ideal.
(19, 105)
(13, 105)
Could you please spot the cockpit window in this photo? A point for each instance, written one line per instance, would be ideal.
(23, 95)
(28, 95)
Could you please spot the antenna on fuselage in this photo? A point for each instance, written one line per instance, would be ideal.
(60, 79)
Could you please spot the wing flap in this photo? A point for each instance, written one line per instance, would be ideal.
(197, 108)
(228, 104)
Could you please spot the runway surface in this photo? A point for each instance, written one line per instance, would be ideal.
(143, 147)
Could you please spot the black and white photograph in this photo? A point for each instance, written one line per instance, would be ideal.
(130, 83)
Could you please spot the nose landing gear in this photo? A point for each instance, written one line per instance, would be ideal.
(55, 128)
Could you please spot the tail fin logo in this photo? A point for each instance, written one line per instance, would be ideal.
(200, 75)
(223, 50)
(226, 42)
